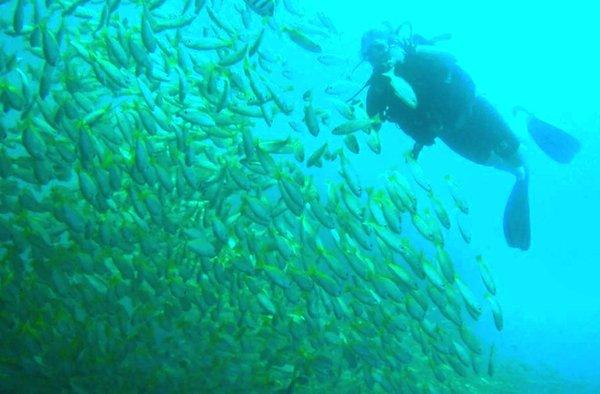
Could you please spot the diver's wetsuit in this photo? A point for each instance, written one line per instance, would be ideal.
(448, 108)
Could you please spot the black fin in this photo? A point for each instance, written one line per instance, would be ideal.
(556, 143)
(517, 227)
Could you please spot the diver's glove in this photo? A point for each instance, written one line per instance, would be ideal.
(417, 148)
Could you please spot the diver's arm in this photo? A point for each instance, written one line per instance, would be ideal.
(417, 148)
(420, 126)
(422, 136)
(376, 103)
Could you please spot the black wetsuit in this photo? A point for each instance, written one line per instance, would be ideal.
(448, 108)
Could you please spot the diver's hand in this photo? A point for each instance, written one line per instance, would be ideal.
(416, 150)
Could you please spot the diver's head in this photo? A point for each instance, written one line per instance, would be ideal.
(375, 48)
(378, 54)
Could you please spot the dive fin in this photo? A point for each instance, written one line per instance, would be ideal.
(517, 228)
(556, 143)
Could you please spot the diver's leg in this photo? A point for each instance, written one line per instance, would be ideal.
(516, 163)
(486, 138)
(508, 154)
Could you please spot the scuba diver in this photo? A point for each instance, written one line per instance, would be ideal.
(428, 95)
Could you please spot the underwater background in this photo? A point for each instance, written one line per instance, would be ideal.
(178, 215)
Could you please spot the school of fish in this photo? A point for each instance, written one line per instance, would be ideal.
(162, 229)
